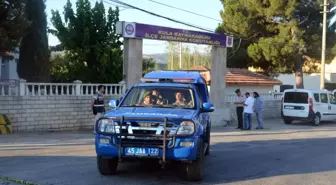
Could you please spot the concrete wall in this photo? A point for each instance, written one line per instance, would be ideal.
(250, 88)
(41, 113)
(310, 81)
(37, 113)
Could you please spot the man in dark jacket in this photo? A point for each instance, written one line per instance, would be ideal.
(239, 101)
(97, 103)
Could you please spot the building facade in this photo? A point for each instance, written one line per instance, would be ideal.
(8, 65)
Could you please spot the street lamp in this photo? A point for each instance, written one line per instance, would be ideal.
(324, 35)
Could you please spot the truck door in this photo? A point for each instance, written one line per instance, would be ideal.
(332, 107)
(325, 107)
(203, 117)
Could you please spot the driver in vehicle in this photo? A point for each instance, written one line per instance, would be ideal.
(180, 101)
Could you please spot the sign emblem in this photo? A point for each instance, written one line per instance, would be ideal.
(229, 41)
(129, 29)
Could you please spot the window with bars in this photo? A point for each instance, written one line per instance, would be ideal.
(4, 69)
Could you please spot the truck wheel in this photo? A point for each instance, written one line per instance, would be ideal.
(317, 119)
(194, 170)
(107, 166)
(287, 121)
(207, 151)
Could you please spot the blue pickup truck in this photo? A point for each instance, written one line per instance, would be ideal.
(165, 117)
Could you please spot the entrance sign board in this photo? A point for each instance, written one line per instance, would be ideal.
(145, 31)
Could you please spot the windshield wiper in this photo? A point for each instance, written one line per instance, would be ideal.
(132, 106)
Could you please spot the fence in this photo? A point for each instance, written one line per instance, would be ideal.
(265, 96)
(77, 88)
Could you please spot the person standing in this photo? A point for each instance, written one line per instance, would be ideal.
(239, 101)
(258, 108)
(248, 111)
(97, 104)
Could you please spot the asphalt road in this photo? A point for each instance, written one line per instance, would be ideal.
(279, 155)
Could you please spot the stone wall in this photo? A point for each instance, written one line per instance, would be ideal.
(41, 113)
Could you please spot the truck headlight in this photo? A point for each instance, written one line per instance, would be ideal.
(186, 128)
(108, 126)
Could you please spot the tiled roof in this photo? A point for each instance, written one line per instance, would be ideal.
(240, 76)
(244, 76)
(199, 68)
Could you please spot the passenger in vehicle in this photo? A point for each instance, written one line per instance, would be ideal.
(180, 101)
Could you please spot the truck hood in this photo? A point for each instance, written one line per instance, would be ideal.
(144, 112)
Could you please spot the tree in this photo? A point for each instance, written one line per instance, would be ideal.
(237, 55)
(148, 65)
(279, 33)
(93, 48)
(13, 23)
(189, 58)
(34, 53)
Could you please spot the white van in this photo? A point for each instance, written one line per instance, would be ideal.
(308, 105)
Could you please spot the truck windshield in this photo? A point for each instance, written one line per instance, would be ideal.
(169, 97)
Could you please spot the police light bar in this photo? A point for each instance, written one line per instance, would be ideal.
(182, 80)
(149, 80)
(177, 80)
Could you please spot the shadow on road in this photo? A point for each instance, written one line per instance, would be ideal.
(228, 162)
(273, 132)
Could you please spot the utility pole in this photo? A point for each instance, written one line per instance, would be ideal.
(180, 55)
(324, 33)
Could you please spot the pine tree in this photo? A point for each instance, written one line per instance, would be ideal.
(13, 23)
(279, 33)
(34, 64)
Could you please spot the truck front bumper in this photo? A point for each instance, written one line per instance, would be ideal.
(175, 151)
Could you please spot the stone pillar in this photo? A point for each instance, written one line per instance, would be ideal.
(77, 89)
(218, 94)
(22, 87)
(132, 65)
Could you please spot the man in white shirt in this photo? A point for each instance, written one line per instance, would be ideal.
(248, 111)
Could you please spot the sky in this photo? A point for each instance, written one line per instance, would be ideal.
(209, 8)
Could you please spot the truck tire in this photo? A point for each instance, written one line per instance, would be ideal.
(107, 166)
(317, 119)
(287, 121)
(194, 170)
(207, 151)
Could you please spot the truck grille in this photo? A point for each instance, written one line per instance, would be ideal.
(145, 130)
(143, 142)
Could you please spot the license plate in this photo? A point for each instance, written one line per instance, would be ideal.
(289, 107)
(142, 151)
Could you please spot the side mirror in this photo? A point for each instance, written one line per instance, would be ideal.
(208, 107)
(113, 103)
